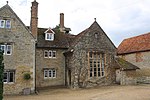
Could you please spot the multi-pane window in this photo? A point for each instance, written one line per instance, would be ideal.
(96, 64)
(49, 73)
(2, 23)
(49, 54)
(49, 36)
(6, 48)
(5, 24)
(9, 77)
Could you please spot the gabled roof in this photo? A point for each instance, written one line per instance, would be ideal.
(139, 43)
(77, 37)
(49, 31)
(8, 7)
(125, 65)
(63, 40)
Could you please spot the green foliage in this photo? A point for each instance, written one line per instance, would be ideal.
(1, 74)
(26, 76)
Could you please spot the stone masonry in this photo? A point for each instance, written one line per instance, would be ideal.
(45, 63)
(22, 59)
(144, 73)
(78, 60)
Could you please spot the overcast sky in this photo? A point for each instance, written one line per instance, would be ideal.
(119, 19)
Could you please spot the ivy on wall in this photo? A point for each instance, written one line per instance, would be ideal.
(1, 74)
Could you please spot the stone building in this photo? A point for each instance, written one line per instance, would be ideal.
(90, 58)
(55, 57)
(18, 46)
(79, 60)
(125, 72)
(136, 50)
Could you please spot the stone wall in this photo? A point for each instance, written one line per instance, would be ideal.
(142, 61)
(78, 62)
(128, 77)
(58, 63)
(22, 59)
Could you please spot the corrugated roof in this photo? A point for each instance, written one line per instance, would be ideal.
(135, 44)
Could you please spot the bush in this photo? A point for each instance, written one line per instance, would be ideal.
(27, 76)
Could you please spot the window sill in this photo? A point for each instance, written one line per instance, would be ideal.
(9, 83)
(50, 57)
(49, 78)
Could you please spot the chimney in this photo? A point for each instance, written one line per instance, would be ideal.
(34, 19)
(62, 22)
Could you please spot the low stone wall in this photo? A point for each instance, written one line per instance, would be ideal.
(128, 79)
(143, 80)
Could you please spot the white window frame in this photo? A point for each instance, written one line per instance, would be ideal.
(8, 24)
(50, 54)
(3, 47)
(46, 52)
(53, 53)
(2, 25)
(6, 48)
(49, 73)
(8, 77)
(49, 36)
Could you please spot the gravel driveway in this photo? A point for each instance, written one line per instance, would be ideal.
(138, 92)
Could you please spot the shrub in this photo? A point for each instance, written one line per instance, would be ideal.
(27, 76)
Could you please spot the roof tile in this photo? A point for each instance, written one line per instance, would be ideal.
(135, 44)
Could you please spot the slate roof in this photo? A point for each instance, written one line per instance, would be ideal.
(135, 44)
(125, 65)
(61, 40)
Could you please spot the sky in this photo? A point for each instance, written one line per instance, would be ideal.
(120, 19)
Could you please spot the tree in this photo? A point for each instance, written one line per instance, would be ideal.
(1, 74)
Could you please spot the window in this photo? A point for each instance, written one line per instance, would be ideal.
(5, 24)
(96, 64)
(9, 76)
(8, 24)
(7, 49)
(49, 36)
(2, 23)
(49, 54)
(49, 73)
(96, 35)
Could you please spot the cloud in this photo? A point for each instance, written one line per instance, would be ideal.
(120, 19)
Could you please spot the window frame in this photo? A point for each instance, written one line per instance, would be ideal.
(49, 36)
(9, 76)
(50, 54)
(8, 25)
(10, 50)
(2, 25)
(51, 73)
(6, 49)
(96, 64)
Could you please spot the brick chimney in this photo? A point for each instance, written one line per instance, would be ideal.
(62, 22)
(34, 19)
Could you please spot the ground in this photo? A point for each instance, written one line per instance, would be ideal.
(138, 92)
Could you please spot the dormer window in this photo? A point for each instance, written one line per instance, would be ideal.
(49, 34)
